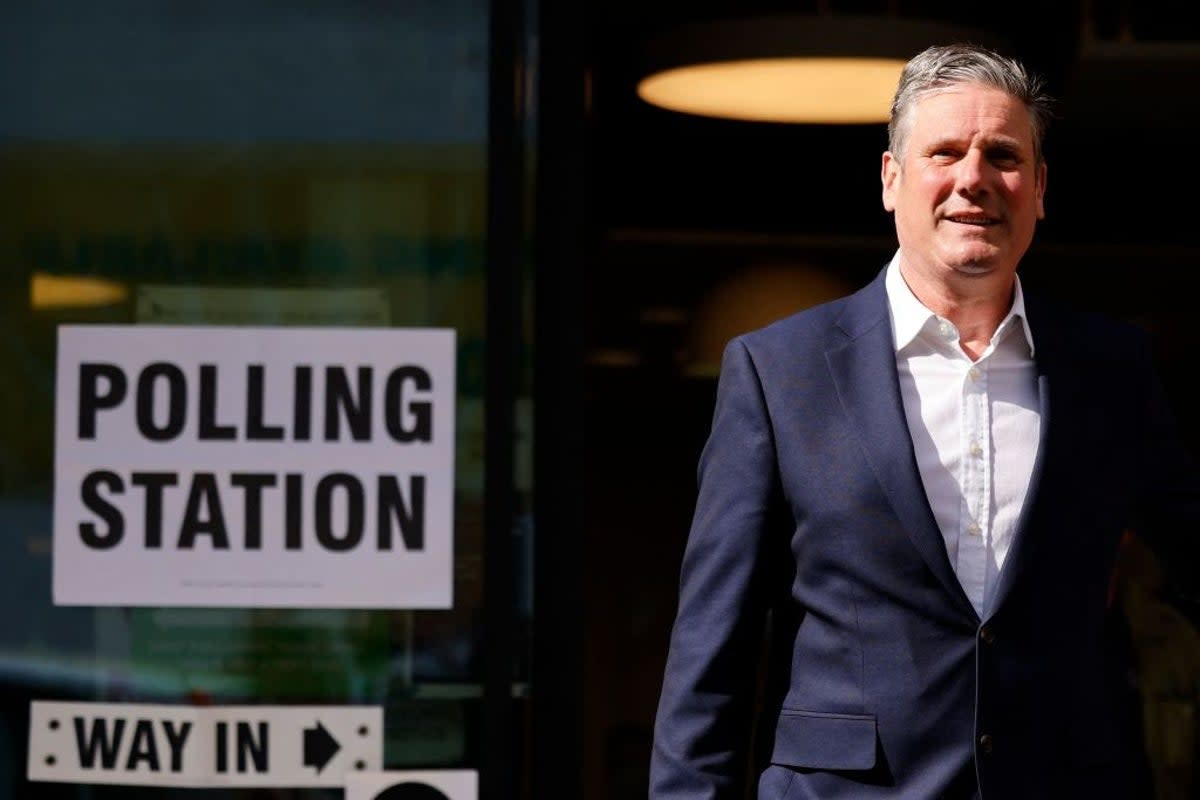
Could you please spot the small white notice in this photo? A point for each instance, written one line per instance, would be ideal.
(445, 784)
(254, 466)
(202, 746)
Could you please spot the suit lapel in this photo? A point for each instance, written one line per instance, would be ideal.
(1053, 394)
(864, 372)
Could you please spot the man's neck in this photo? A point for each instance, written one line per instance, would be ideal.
(975, 305)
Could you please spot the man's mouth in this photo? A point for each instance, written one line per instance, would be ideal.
(978, 220)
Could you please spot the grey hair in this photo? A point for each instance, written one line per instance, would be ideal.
(943, 66)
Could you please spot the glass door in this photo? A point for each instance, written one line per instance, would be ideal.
(245, 166)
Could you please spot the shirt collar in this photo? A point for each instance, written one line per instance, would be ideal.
(909, 316)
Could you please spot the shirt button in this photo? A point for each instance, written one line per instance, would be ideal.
(985, 633)
(975, 449)
(973, 529)
(985, 743)
(946, 329)
(973, 373)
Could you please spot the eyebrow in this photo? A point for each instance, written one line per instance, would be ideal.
(1003, 141)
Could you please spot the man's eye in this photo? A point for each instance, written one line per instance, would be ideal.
(1004, 158)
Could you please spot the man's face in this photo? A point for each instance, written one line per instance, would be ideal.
(966, 192)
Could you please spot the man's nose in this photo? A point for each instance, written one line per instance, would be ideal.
(972, 172)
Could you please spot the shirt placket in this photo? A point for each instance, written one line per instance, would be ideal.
(975, 458)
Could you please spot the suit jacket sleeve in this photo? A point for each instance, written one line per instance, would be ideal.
(703, 730)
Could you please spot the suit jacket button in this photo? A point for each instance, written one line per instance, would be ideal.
(985, 633)
(985, 743)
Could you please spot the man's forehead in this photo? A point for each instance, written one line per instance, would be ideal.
(985, 137)
(980, 104)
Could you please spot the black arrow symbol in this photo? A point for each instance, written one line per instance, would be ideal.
(319, 747)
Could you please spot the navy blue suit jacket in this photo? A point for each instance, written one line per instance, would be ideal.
(880, 679)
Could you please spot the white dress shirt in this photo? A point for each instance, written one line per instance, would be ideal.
(974, 427)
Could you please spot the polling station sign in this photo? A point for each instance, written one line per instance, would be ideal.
(254, 466)
(140, 744)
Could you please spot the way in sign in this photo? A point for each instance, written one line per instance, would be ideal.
(102, 744)
(201, 746)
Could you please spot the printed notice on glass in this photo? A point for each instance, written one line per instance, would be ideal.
(254, 466)
(438, 784)
(138, 744)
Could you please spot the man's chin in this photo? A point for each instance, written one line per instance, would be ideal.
(976, 269)
(977, 259)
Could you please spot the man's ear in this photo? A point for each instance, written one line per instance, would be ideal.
(889, 174)
(1039, 189)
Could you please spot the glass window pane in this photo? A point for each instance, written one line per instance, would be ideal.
(238, 163)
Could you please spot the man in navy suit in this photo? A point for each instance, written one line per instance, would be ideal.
(916, 495)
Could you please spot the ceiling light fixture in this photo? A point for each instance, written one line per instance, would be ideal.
(793, 69)
(48, 291)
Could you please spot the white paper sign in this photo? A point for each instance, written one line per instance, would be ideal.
(254, 466)
(161, 745)
(446, 784)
